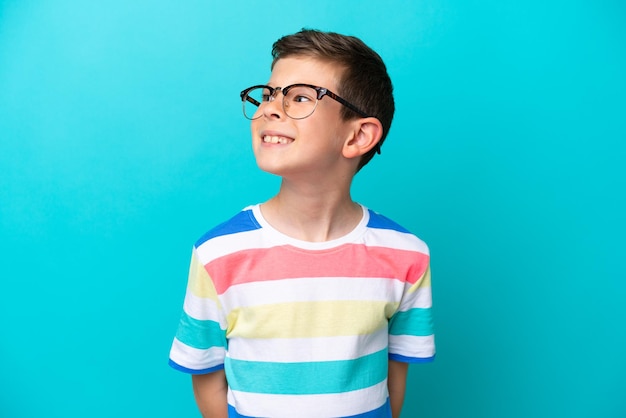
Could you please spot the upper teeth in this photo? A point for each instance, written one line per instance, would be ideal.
(275, 139)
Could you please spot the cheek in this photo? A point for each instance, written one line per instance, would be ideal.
(254, 129)
(323, 123)
(253, 125)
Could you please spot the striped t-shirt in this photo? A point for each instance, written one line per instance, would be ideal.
(305, 329)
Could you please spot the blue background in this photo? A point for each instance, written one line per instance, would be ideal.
(122, 140)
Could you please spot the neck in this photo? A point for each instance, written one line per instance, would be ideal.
(312, 212)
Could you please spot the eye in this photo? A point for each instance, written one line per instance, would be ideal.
(302, 94)
(301, 99)
(265, 96)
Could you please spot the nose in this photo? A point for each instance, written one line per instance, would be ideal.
(273, 107)
(275, 93)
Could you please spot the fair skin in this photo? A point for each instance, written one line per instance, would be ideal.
(210, 393)
(396, 383)
(316, 159)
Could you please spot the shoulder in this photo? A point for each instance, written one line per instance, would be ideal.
(376, 220)
(243, 221)
(387, 232)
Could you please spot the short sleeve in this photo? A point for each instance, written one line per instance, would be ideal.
(199, 346)
(411, 333)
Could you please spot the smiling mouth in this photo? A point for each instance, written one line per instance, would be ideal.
(271, 139)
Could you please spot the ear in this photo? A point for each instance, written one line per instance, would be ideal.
(365, 135)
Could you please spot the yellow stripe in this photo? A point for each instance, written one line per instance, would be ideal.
(309, 319)
(200, 283)
(424, 281)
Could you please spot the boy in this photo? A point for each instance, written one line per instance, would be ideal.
(309, 305)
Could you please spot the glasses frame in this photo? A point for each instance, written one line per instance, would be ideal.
(321, 92)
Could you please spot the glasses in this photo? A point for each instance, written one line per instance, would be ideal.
(299, 100)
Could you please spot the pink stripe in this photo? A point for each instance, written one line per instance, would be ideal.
(285, 262)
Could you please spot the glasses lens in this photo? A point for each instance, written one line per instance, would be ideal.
(253, 100)
(300, 102)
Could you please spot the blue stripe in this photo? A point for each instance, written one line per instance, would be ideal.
(417, 322)
(382, 222)
(184, 369)
(242, 222)
(404, 359)
(232, 413)
(200, 333)
(304, 378)
(382, 412)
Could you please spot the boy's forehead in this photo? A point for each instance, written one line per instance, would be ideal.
(309, 70)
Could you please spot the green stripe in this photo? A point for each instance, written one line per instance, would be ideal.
(417, 322)
(307, 378)
(201, 334)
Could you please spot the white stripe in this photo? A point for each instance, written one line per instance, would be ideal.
(312, 290)
(196, 359)
(411, 346)
(226, 244)
(309, 406)
(267, 237)
(421, 298)
(203, 309)
(287, 350)
(396, 240)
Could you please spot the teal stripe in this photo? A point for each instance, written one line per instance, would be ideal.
(201, 334)
(307, 378)
(417, 322)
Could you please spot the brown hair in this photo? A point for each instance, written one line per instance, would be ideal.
(364, 82)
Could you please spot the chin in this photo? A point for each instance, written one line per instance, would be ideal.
(268, 170)
(268, 167)
(276, 168)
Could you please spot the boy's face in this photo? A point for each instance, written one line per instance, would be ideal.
(311, 146)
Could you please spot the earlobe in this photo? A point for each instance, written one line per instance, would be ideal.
(366, 135)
